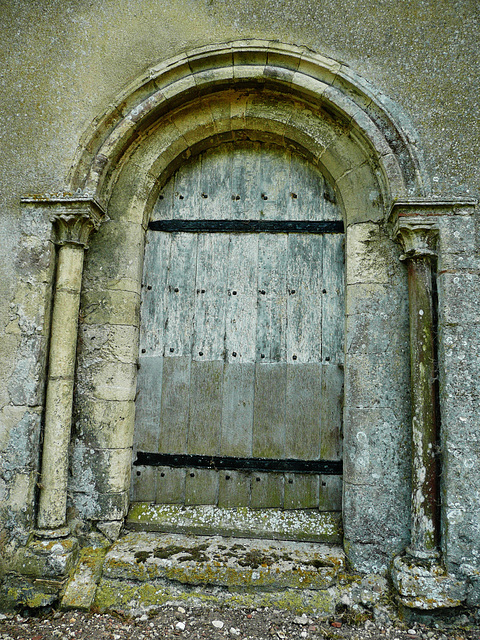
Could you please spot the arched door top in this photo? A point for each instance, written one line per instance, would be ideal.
(351, 109)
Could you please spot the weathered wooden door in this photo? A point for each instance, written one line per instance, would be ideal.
(240, 382)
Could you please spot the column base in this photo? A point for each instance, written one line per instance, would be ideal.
(424, 584)
(59, 532)
(43, 569)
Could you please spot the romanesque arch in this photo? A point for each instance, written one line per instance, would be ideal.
(290, 97)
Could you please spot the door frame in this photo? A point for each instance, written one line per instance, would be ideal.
(292, 97)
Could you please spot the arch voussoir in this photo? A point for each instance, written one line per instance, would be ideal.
(291, 72)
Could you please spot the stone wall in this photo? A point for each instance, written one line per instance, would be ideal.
(65, 64)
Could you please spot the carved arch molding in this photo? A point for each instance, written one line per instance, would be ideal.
(264, 91)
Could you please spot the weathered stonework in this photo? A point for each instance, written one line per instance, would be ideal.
(77, 417)
(73, 220)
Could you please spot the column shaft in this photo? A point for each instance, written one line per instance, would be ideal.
(59, 397)
(424, 534)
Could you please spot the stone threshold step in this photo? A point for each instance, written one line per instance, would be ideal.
(240, 522)
(243, 563)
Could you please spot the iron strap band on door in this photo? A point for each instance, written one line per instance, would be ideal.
(248, 226)
(230, 463)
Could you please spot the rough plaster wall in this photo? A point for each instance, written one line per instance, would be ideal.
(64, 61)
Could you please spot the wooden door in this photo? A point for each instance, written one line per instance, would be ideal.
(240, 382)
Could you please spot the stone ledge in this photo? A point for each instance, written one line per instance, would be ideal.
(128, 597)
(242, 522)
(224, 562)
(48, 558)
(80, 590)
(424, 584)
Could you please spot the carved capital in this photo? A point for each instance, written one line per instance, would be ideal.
(418, 238)
(74, 220)
(414, 222)
(74, 217)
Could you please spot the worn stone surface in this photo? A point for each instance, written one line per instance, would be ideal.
(110, 528)
(80, 590)
(229, 562)
(48, 558)
(147, 569)
(426, 585)
(241, 522)
(65, 64)
(20, 591)
(127, 597)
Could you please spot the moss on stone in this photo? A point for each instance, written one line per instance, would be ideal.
(126, 596)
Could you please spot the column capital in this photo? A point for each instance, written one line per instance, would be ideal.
(418, 238)
(74, 217)
(414, 223)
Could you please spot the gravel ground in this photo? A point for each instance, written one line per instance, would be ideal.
(217, 624)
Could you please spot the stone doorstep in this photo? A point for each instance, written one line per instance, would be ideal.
(81, 588)
(223, 562)
(241, 522)
(128, 597)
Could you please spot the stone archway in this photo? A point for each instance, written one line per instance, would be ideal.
(295, 99)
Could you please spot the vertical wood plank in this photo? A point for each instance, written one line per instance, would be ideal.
(210, 296)
(205, 408)
(170, 484)
(331, 412)
(234, 489)
(215, 185)
(152, 310)
(271, 301)
(303, 411)
(150, 373)
(180, 295)
(267, 491)
(301, 491)
(305, 198)
(268, 432)
(245, 190)
(269, 410)
(331, 436)
(187, 198)
(330, 498)
(144, 483)
(304, 299)
(147, 406)
(272, 183)
(330, 206)
(241, 300)
(201, 486)
(163, 208)
(175, 405)
(173, 427)
(237, 409)
(333, 320)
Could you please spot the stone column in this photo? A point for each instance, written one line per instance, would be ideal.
(418, 575)
(419, 240)
(73, 221)
(49, 558)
